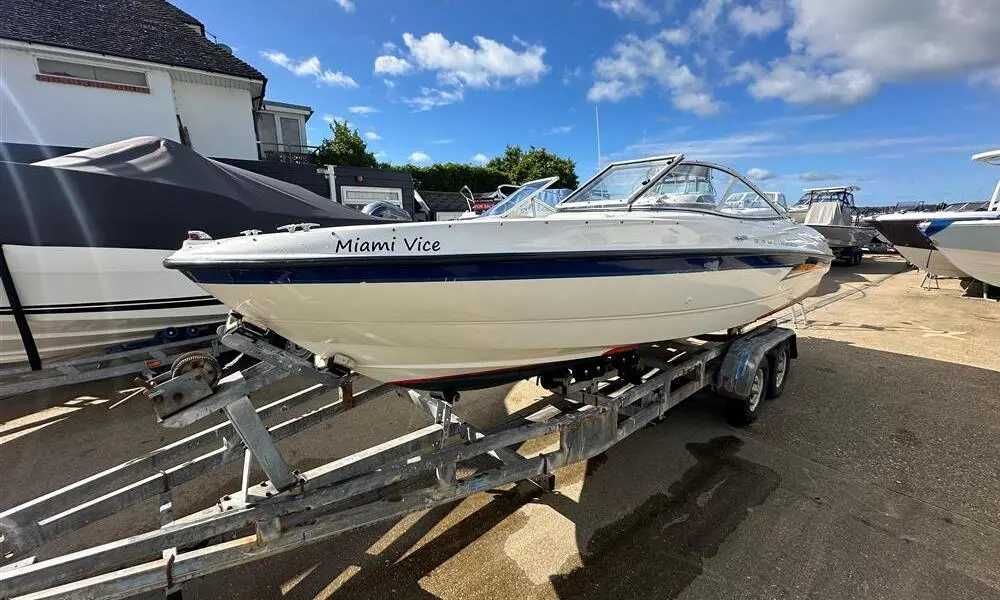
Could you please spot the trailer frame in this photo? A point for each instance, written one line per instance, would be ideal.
(591, 408)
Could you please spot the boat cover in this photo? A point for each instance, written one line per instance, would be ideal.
(828, 213)
(148, 192)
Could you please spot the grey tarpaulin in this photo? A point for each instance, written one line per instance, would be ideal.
(147, 192)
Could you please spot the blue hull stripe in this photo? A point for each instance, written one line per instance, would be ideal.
(510, 268)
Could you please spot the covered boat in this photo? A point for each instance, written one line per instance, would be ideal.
(83, 237)
(647, 250)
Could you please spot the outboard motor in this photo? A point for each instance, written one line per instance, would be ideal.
(386, 210)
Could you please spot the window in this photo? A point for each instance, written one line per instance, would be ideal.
(702, 187)
(266, 132)
(60, 68)
(290, 137)
(357, 197)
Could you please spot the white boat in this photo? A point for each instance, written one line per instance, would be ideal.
(831, 211)
(971, 244)
(902, 231)
(644, 251)
(83, 238)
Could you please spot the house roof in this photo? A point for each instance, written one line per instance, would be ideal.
(149, 30)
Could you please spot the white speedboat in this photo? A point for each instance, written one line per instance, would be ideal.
(644, 251)
(971, 244)
(83, 238)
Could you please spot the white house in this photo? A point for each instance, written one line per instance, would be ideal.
(81, 73)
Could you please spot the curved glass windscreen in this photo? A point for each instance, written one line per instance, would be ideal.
(703, 187)
(530, 200)
(615, 186)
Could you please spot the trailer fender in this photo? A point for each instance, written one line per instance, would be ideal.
(744, 356)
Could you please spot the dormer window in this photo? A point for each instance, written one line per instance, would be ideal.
(61, 71)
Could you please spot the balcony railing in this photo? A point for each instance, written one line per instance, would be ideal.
(287, 153)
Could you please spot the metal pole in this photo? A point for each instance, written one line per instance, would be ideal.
(23, 329)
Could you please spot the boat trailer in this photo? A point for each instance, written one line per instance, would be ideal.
(591, 408)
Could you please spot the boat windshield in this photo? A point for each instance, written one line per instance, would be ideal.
(529, 200)
(615, 186)
(811, 196)
(669, 182)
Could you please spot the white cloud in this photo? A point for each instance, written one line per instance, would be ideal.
(899, 39)
(392, 65)
(991, 77)
(372, 136)
(771, 143)
(678, 36)
(443, 141)
(380, 155)
(753, 22)
(760, 174)
(560, 129)
(704, 17)
(336, 79)
(571, 75)
(347, 5)
(488, 64)
(389, 83)
(480, 158)
(419, 157)
(794, 84)
(636, 62)
(310, 67)
(841, 52)
(362, 110)
(331, 119)
(432, 98)
(813, 176)
(631, 9)
(389, 47)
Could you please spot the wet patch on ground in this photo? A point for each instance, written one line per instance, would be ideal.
(662, 544)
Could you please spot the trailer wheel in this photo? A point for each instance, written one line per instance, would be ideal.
(781, 365)
(745, 410)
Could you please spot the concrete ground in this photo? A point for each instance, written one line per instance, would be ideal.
(876, 475)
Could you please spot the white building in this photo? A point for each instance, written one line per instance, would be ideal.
(81, 73)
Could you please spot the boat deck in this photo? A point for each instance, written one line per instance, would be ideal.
(873, 476)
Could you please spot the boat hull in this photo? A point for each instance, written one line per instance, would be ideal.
(903, 232)
(80, 300)
(973, 246)
(412, 332)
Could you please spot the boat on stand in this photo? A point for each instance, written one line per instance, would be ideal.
(972, 244)
(646, 250)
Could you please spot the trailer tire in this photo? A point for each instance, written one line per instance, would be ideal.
(744, 411)
(781, 365)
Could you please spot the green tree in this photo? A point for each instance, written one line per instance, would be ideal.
(451, 177)
(536, 163)
(346, 148)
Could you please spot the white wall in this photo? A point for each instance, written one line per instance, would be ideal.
(58, 114)
(219, 120)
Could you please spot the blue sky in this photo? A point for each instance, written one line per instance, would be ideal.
(893, 95)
